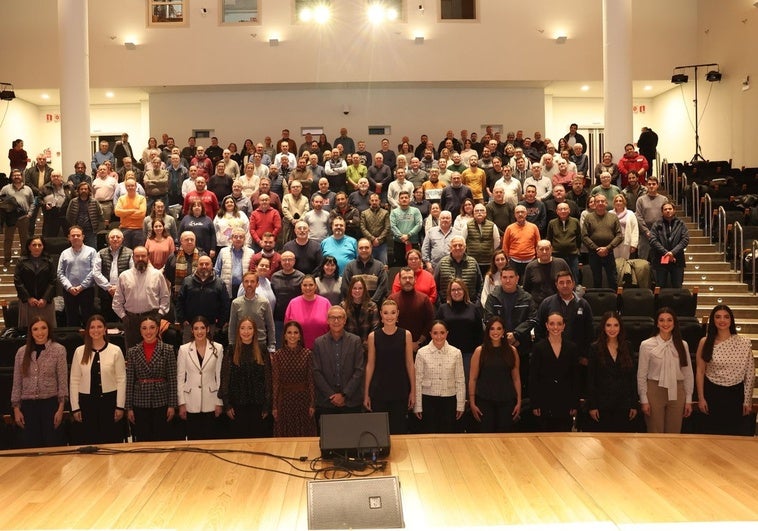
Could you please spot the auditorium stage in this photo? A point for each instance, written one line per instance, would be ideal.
(459, 481)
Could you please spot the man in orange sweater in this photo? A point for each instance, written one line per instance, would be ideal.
(131, 209)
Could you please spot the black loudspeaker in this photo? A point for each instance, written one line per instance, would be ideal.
(365, 503)
(355, 435)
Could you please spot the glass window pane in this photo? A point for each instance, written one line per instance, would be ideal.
(236, 11)
(458, 9)
(167, 12)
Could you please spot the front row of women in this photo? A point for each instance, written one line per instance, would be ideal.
(203, 381)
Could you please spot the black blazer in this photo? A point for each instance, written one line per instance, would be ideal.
(554, 381)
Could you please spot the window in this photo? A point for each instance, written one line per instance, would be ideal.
(383, 130)
(458, 9)
(167, 12)
(239, 11)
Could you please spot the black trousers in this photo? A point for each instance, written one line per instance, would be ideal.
(496, 415)
(97, 419)
(438, 414)
(724, 409)
(248, 423)
(79, 307)
(397, 411)
(200, 426)
(611, 421)
(39, 426)
(150, 424)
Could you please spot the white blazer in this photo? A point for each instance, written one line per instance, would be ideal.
(112, 375)
(197, 386)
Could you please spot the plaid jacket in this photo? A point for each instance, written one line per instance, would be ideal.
(151, 385)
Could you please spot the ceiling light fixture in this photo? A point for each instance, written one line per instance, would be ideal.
(273, 41)
(6, 91)
(561, 39)
(130, 46)
(678, 79)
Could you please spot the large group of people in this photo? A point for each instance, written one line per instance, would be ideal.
(322, 279)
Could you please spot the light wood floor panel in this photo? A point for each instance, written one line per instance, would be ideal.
(455, 481)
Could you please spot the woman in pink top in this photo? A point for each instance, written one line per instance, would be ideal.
(309, 309)
(160, 244)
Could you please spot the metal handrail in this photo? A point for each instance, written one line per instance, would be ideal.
(665, 174)
(721, 237)
(707, 214)
(695, 201)
(674, 184)
(738, 245)
(753, 251)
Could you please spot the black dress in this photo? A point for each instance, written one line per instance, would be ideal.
(554, 384)
(611, 389)
(390, 386)
(496, 391)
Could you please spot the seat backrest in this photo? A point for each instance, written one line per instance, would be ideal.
(601, 300)
(637, 330)
(681, 300)
(692, 332)
(637, 301)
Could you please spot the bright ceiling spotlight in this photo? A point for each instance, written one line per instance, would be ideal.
(391, 14)
(375, 13)
(305, 14)
(321, 14)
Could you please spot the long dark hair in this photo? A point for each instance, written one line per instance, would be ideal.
(237, 355)
(489, 350)
(88, 339)
(30, 342)
(711, 332)
(624, 356)
(676, 334)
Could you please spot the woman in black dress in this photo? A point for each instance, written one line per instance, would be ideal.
(494, 386)
(611, 379)
(390, 355)
(554, 378)
(463, 319)
(246, 383)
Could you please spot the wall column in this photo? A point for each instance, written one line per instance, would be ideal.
(73, 43)
(617, 75)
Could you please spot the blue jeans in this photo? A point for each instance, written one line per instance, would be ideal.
(380, 253)
(598, 264)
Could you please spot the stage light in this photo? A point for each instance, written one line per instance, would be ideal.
(6, 92)
(375, 13)
(713, 75)
(678, 79)
(305, 14)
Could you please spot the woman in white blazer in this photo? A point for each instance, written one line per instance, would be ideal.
(198, 378)
(98, 385)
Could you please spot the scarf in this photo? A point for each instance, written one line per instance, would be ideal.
(667, 376)
(182, 269)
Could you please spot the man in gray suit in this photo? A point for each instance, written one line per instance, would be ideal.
(338, 366)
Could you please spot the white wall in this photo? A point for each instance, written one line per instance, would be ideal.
(21, 121)
(503, 45)
(409, 111)
(30, 123)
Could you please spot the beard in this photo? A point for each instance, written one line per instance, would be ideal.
(141, 266)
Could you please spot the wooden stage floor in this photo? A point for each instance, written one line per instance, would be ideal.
(537, 481)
